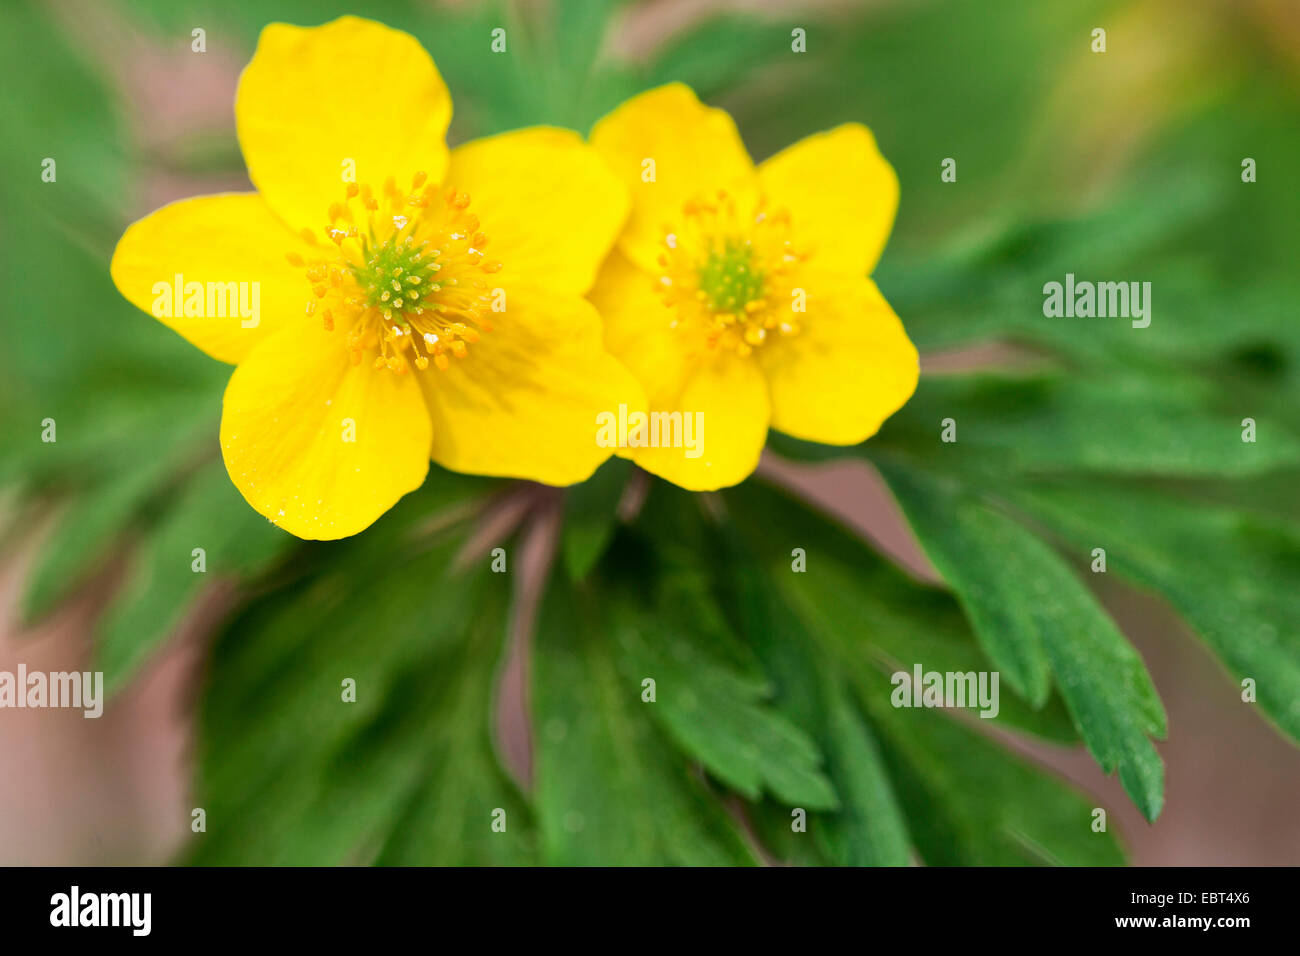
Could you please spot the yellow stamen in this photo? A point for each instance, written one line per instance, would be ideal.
(723, 270)
(407, 270)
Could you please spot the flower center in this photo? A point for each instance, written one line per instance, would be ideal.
(725, 273)
(396, 276)
(408, 281)
(729, 278)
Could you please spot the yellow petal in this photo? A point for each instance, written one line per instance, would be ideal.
(689, 149)
(319, 446)
(841, 193)
(850, 367)
(524, 401)
(547, 202)
(681, 374)
(214, 241)
(639, 332)
(726, 401)
(316, 102)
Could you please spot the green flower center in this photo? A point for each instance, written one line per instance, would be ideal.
(728, 278)
(397, 275)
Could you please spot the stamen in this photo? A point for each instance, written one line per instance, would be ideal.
(406, 280)
(723, 271)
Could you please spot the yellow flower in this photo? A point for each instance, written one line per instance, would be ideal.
(705, 297)
(376, 314)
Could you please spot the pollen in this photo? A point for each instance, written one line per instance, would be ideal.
(404, 279)
(724, 274)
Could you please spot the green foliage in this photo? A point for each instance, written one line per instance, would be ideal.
(1059, 422)
(85, 533)
(609, 786)
(590, 514)
(834, 646)
(235, 541)
(772, 691)
(867, 828)
(293, 772)
(969, 802)
(713, 702)
(1231, 573)
(1035, 617)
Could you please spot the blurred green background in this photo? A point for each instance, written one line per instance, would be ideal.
(1123, 165)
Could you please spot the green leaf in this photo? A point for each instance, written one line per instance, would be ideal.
(865, 609)
(970, 803)
(872, 830)
(291, 773)
(590, 516)
(721, 54)
(163, 582)
(978, 554)
(964, 799)
(609, 787)
(715, 711)
(1028, 605)
(53, 105)
(90, 528)
(464, 789)
(1124, 426)
(1231, 574)
(868, 829)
